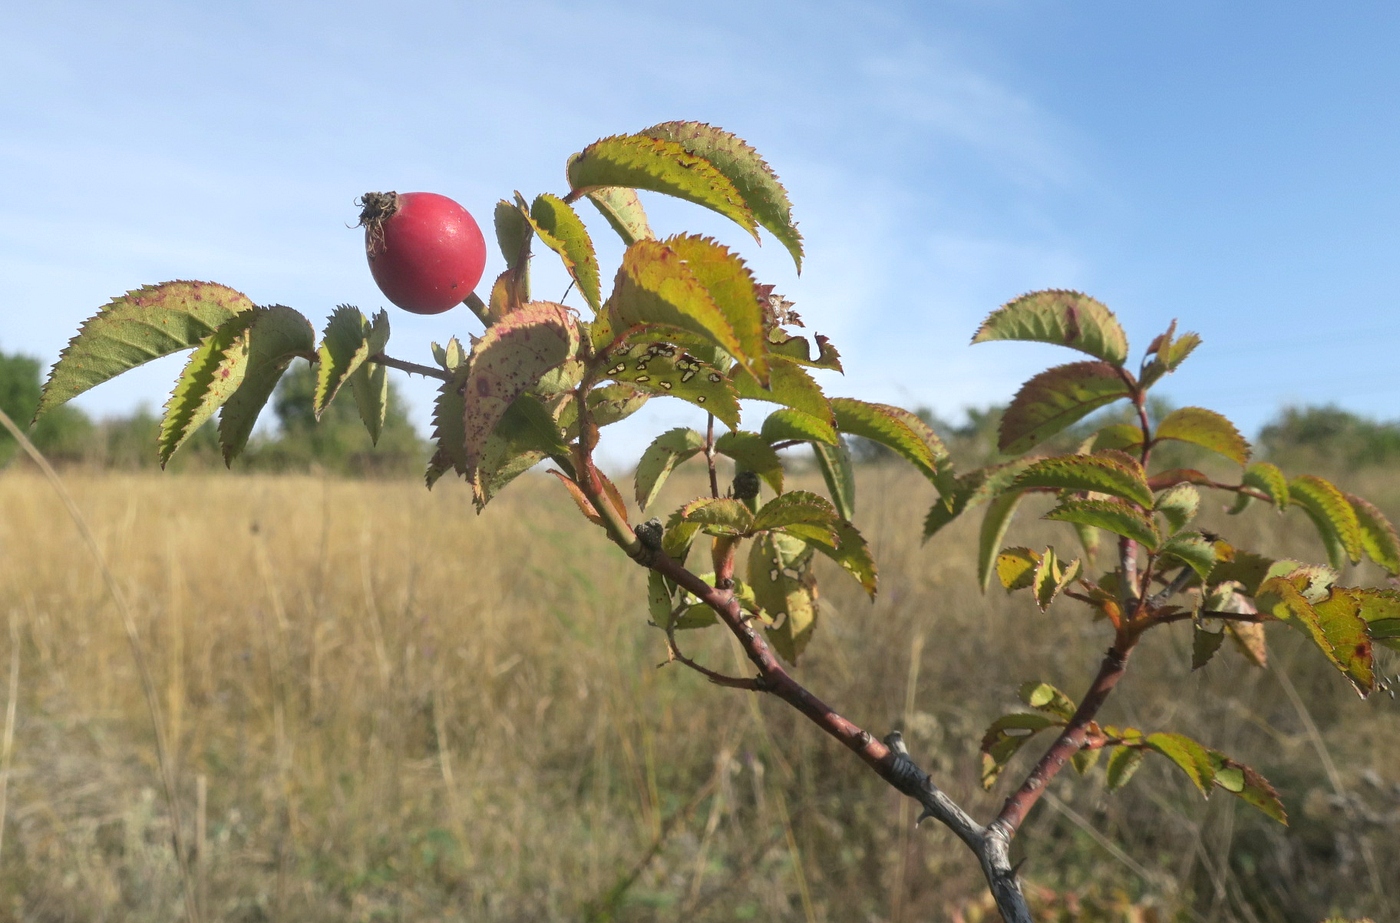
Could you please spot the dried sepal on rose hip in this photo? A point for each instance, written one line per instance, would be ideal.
(425, 251)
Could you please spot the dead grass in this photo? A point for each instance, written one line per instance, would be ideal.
(401, 711)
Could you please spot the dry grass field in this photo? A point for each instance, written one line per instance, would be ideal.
(384, 707)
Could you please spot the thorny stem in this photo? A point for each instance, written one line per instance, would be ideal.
(413, 368)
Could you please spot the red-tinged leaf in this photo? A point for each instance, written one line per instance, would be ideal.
(1168, 479)
(640, 162)
(1056, 398)
(788, 425)
(449, 429)
(1005, 737)
(1061, 317)
(1378, 536)
(1168, 352)
(834, 461)
(1207, 429)
(1249, 638)
(731, 285)
(1111, 515)
(585, 506)
(1333, 622)
(527, 434)
(1333, 515)
(1122, 763)
(1193, 758)
(994, 526)
(668, 370)
(1249, 786)
(969, 490)
(751, 452)
(1116, 474)
(799, 350)
(511, 357)
(275, 337)
(561, 230)
(756, 182)
(667, 451)
(142, 325)
(1017, 567)
(897, 429)
(1045, 697)
(623, 211)
(722, 516)
(788, 384)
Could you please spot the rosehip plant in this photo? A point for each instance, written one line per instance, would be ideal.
(684, 319)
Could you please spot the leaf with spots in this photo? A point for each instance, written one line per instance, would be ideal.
(526, 435)
(623, 210)
(1111, 473)
(666, 451)
(667, 369)
(1016, 568)
(781, 578)
(1055, 399)
(214, 371)
(799, 350)
(1207, 429)
(276, 336)
(142, 325)
(1334, 517)
(561, 230)
(1333, 622)
(511, 357)
(1061, 317)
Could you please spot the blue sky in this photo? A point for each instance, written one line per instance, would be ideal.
(1231, 164)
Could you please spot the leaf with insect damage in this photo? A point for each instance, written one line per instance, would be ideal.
(1061, 317)
(1333, 622)
(781, 578)
(1007, 735)
(561, 230)
(1055, 399)
(666, 369)
(666, 451)
(799, 350)
(1207, 429)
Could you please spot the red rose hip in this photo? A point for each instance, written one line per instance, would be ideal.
(425, 251)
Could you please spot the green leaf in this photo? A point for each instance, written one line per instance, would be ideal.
(659, 602)
(1245, 567)
(1193, 758)
(780, 574)
(1016, 568)
(1005, 737)
(756, 182)
(1381, 611)
(788, 384)
(510, 358)
(666, 369)
(751, 452)
(799, 350)
(142, 325)
(641, 162)
(971, 489)
(797, 507)
(214, 371)
(344, 346)
(1111, 515)
(723, 274)
(655, 285)
(788, 425)
(722, 516)
(1061, 317)
(1168, 353)
(1378, 536)
(607, 405)
(1333, 622)
(1249, 786)
(834, 461)
(276, 336)
(1089, 540)
(1266, 477)
(899, 430)
(513, 233)
(449, 429)
(561, 230)
(1050, 577)
(666, 451)
(994, 526)
(1120, 436)
(849, 549)
(679, 536)
(1115, 474)
(1334, 516)
(1207, 429)
(1204, 644)
(1192, 549)
(370, 381)
(1122, 763)
(526, 435)
(1047, 698)
(1178, 505)
(1056, 398)
(623, 211)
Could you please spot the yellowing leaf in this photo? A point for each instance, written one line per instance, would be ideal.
(1334, 623)
(1005, 737)
(1061, 317)
(728, 281)
(1056, 398)
(1207, 429)
(1016, 568)
(561, 230)
(1047, 698)
(780, 575)
(1193, 758)
(1122, 763)
(789, 384)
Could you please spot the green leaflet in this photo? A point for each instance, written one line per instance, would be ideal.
(1204, 644)
(1005, 737)
(641, 162)
(1192, 549)
(561, 230)
(1122, 763)
(370, 385)
(1266, 477)
(655, 285)
(214, 371)
(1016, 568)
(1056, 398)
(276, 336)
(994, 526)
(752, 452)
(1050, 577)
(1120, 436)
(345, 345)
(666, 451)
(723, 274)
(1249, 786)
(1167, 353)
(513, 233)
(679, 536)
(449, 429)
(1045, 697)
(510, 358)
(756, 182)
(799, 350)
(666, 369)
(794, 507)
(1111, 515)
(834, 461)
(899, 430)
(1115, 474)
(722, 516)
(788, 384)
(1378, 536)
(1207, 429)
(969, 490)
(1061, 317)
(1209, 768)
(1192, 758)
(788, 425)
(623, 211)
(526, 435)
(1381, 611)
(1178, 505)
(142, 325)
(780, 575)
(1333, 622)
(842, 543)
(1333, 515)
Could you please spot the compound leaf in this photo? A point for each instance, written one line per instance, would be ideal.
(1111, 515)
(666, 451)
(1207, 429)
(1062, 317)
(1056, 398)
(561, 230)
(623, 211)
(1116, 474)
(1330, 511)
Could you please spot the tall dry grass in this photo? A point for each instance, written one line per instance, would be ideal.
(383, 707)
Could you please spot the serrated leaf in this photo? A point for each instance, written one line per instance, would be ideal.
(511, 357)
(1207, 429)
(641, 162)
(1061, 317)
(656, 285)
(449, 430)
(210, 377)
(1115, 474)
(1249, 786)
(799, 350)
(1045, 697)
(788, 384)
(1168, 352)
(1005, 737)
(1111, 515)
(666, 451)
(370, 381)
(142, 325)
(344, 346)
(1192, 758)
(513, 233)
(899, 430)
(1204, 644)
(971, 489)
(1050, 577)
(834, 461)
(788, 425)
(1192, 549)
(679, 536)
(666, 369)
(561, 230)
(731, 285)
(526, 435)
(1334, 516)
(608, 405)
(1378, 537)
(1016, 568)
(780, 575)
(794, 507)
(1056, 398)
(751, 452)
(1333, 622)
(994, 526)
(1178, 505)
(276, 336)
(722, 516)
(623, 211)
(1381, 610)
(585, 506)
(1122, 763)
(1120, 436)
(756, 182)
(849, 549)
